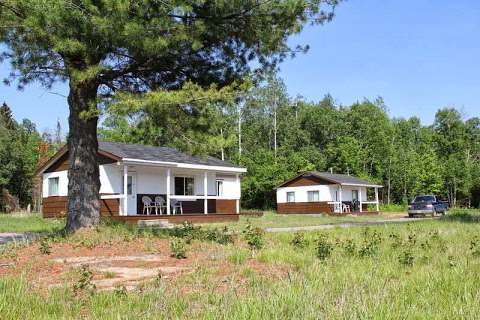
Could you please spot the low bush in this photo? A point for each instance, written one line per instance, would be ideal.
(323, 248)
(178, 247)
(84, 283)
(299, 241)
(45, 247)
(254, 237)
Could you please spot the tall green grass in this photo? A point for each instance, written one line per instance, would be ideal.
(28, 222)
(423, 270)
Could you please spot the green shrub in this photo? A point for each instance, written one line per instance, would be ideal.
(178, 247)
(299, 241)
(350, 247)
(223, 236)
(406, 258)
(324, 247)
(45, 247)
(254, 237)
(84, 283)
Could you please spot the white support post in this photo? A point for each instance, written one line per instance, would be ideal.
(360, 199)
(237, 201)
(205, 192)
(340, 190)
(125, 190)
(376, 199)
(169, 173)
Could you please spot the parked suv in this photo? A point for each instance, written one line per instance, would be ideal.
(423, 205)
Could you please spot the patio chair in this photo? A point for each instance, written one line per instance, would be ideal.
(147, 205)
(176, 205)
(346, 208)
(160, 204)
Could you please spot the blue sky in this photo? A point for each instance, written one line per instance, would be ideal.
(419, 55)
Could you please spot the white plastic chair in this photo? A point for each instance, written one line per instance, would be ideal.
(147, 205)
(159, 204)
(176, 205)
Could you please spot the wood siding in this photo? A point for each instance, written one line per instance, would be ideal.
(195, 218)
(56, 207)
(313, 207)
(63, 163)
(304, 207)
(305, 181)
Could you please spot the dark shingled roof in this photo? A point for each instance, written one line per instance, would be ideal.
(151, 153)
(334, 178)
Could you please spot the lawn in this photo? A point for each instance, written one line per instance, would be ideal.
(271, 219)
(27, 222)
(424, 270)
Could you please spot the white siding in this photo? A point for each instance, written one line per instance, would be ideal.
(326, 193)
(62, 182)
(150, 180)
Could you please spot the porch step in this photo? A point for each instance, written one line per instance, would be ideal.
(157, 223)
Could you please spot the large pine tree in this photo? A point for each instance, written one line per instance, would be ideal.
(103, 46)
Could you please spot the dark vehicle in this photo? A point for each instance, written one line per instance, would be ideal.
(423, 205)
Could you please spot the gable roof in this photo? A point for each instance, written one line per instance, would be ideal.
(163, 154)
(334, 178)
(149, 154)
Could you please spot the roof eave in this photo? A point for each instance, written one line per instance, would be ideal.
(183, 165)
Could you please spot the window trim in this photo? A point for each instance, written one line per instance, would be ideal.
(184, 185)
(313, 192)
(291, 192)
(50, 194)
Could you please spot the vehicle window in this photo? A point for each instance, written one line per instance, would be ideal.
(425, 199)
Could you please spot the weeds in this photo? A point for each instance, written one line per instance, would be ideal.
(406, 258)
(84, 283)
(299, 241)
(45, 247)
(323, 248)
(178, 247)
(254, 237)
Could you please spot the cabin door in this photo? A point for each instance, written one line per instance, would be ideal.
(132, 193)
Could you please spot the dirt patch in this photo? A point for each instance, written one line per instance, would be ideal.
(126, 263)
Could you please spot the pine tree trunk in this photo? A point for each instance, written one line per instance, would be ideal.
(83, 174)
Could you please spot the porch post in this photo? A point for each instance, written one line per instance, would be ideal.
(125, 190)
(169, 173)
(376, 199)
(360, 198)
(237, 201)
(205, 192)
(340, 190)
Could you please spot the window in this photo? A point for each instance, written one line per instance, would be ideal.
(354, 195)
(219, 187)
(184, 186)
(129, 185)
(313, 196)
(53, 186)
(291, 196)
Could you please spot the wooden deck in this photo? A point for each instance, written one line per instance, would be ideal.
(180, 218)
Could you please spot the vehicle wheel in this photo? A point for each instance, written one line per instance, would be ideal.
(434, 213)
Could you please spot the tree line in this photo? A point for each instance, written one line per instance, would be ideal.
(276, 136)
(22, 149)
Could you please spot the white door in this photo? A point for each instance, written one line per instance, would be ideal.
(132, 193)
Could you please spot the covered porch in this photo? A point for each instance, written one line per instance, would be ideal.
(355, 198)
(174, 191)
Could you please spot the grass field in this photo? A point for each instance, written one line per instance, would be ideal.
(424, 270)
(271, 219)
(27, 222)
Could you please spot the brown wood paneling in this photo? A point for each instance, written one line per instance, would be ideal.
(63, 164)
(190, 207)
(306, 181)
(56, 207)
(304, 207)
(225, 206)
(195, 218)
